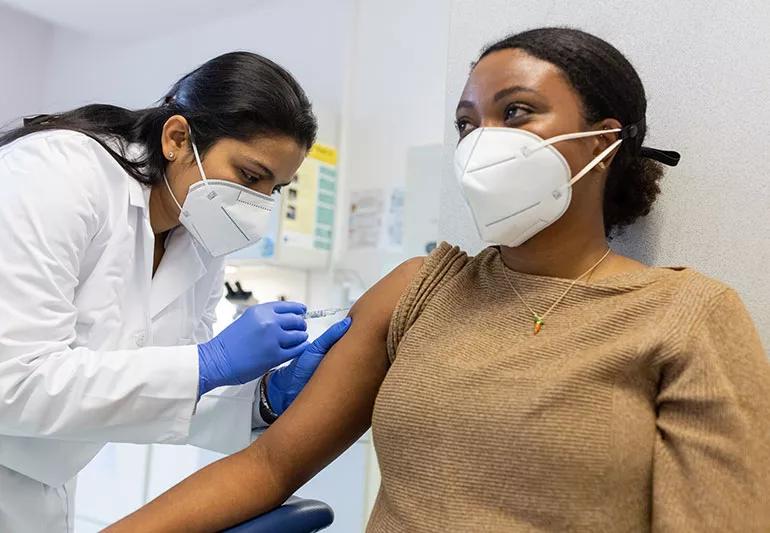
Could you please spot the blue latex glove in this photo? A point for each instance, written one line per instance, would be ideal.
(263, 337)
(287, 382)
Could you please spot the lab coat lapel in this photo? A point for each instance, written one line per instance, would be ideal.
(182, 266)
(139, 198)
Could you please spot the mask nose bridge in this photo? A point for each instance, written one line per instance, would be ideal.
(524, 152)
(256, 199)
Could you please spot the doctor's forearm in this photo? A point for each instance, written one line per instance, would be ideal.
(79, 394)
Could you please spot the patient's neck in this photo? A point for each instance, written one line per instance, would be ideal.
(564, 254)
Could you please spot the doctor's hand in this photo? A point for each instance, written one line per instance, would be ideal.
(285, 384)
(263, 337)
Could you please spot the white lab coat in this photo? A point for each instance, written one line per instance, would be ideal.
(93, 348)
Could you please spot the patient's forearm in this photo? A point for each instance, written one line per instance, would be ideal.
(224, 493)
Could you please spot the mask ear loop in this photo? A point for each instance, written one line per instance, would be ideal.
(596, 160)
(211, 193)
(568, 137)
(165, 180)
(581, 135)
(200, 169)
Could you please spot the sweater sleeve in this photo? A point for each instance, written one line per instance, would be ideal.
(712, 451)
(439, 267)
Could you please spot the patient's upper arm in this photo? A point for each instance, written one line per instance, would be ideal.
(335, 407)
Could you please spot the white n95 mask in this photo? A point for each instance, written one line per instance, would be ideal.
(224, 217)
(516, 183)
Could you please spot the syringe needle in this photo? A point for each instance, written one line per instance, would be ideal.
(322, 313)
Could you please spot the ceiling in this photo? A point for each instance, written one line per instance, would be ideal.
(128, 18)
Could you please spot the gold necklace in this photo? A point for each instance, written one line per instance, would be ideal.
(540, 319)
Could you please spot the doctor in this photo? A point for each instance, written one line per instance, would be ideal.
(114, 224)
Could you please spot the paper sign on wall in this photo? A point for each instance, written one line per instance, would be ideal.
(309, 202)
(367, 210)
(376, 219)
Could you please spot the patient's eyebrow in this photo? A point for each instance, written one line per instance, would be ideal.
(499, 95)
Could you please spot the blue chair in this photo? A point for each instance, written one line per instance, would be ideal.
(294, 516)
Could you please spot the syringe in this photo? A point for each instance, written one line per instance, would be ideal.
(322, 313)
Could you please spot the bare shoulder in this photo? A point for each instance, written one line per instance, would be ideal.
(445, 260)
(374, 309)
(407, 270)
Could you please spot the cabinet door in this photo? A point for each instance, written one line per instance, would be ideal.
(111, 486)
(123, 477)
(342, 485)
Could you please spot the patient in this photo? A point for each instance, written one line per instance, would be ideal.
(546, 384)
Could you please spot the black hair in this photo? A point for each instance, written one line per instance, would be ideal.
(238, 95)
(609, 87)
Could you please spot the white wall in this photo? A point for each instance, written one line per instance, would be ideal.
(136, 19)
(309, 38)
(395, 100)
(706, 71)
(25, 45)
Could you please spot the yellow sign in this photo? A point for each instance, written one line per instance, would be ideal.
(323, 153)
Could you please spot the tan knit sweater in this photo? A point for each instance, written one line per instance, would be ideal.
(644, 405)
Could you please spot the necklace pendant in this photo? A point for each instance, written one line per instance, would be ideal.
(539, 323)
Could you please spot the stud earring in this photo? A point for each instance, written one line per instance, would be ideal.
(171, 155)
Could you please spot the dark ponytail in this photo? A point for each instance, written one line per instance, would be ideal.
(609, 88)
(238, 95)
